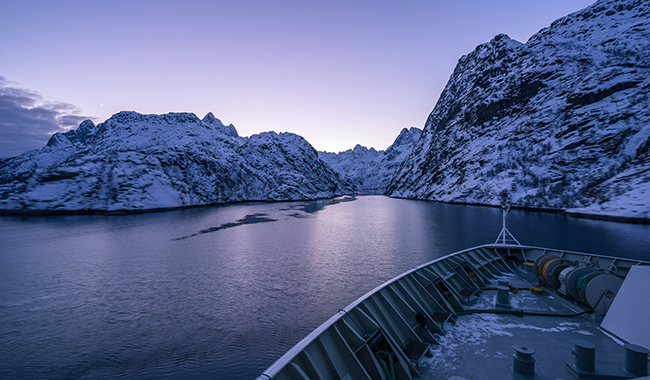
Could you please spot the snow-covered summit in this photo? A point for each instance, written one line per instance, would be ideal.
(559, 122)
(229, 129)
(370, 170)
(407, 137)
(135, 162)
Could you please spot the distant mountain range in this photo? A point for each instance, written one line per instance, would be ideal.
(560, 122)
(134, 163)
(370, 170)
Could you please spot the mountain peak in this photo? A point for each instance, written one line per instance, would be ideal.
(210, 119)
(229, 130)
(500, 42)
(87, 124)
(407, 136)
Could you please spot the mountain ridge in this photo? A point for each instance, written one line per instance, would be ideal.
(560, 122)
(369, 170)
(136, 163)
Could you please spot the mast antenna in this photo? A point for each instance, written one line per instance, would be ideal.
(505, 236)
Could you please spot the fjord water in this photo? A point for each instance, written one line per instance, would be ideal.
(223, 292)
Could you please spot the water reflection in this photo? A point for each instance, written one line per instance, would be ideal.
(248, 219)
(315, 206)
(308, 207)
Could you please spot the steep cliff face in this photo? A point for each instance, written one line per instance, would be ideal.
(370, 170)
(135, 162)
(561, 122)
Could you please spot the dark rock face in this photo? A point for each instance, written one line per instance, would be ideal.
(560, 122)
(370, 170)
(135, 162)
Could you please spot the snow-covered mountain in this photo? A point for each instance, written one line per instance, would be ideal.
(371, 170)
(135, 162)
(560, 122)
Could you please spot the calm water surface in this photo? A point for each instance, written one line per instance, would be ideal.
(223, 292)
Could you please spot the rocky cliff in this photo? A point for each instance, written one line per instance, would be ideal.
(370, 170)
(134, 162)
(560, 122)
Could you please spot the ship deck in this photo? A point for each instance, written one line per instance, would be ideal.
(441, 321)
(480, 346)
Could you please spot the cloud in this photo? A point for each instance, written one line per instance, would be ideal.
(27, 121)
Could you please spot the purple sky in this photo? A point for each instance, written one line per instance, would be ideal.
(337, 72)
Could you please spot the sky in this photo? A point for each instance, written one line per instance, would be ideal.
(339, 73)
